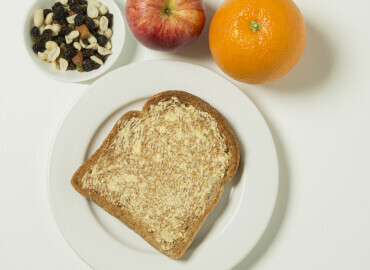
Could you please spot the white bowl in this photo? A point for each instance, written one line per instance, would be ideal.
(117, 41)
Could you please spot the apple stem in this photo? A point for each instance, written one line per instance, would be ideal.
(255, 26)
(168, 12)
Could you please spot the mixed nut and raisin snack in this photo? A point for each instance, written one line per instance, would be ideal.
(73, 34)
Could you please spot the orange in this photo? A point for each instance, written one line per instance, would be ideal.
(257, 41)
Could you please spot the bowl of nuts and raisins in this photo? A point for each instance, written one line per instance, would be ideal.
(74, 40)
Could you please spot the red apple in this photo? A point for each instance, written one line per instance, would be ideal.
(165, 25)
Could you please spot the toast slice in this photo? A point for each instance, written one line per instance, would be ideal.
(162, 170)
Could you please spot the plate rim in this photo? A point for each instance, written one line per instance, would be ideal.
(52, 207)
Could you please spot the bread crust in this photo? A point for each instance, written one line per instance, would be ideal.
(124, 216)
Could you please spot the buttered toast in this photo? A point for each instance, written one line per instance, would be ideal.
(162, 170)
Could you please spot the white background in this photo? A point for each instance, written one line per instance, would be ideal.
(319, 116)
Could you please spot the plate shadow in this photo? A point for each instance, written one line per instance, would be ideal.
(280, 209)
(313, 69)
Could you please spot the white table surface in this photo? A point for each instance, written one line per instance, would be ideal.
(319, 116)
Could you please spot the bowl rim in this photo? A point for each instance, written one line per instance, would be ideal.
(86, 75)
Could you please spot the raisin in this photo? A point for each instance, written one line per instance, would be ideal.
(58, 13)
(55, 6)
(110, 19)
(63, 21)
(59, 40)
(45, 36)
(101, 57)
(84, 10)
(109, 16)
(102, 40)
(47, 11)
(34, 32)
(82, 2)
(88, 52)
(85, 41)
(90, 24)
(64, 31)
(94, 33)
(87, 65)
(70, 52)
(38, 47)
(71, 66)
(79, 19)
(72, 2)
(76, 9)
(95, 65)
(66, 14)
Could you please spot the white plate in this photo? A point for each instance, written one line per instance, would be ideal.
(237, 222)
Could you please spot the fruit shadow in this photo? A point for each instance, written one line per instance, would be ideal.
(280, 209)
(220, 207)
(313, 68)
(200, 48)
(128, 51)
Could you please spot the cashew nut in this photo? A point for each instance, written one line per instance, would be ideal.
(94, 3)
(63, 64)
(97, 23)
(77, 45)
(93, 46)
(49, 26)
(42, 28)
(38, 17)
(55, 65)
(71, 19)
(97, 60)
(49, 18)
(50, 44)
(104, 51)
(104, 23)
(108, 33)
(53, 54)
(103, 10)
(56, 29)
(92, 39)
(43, 55)
(83, 45)
(92, 11)
(108, 45)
